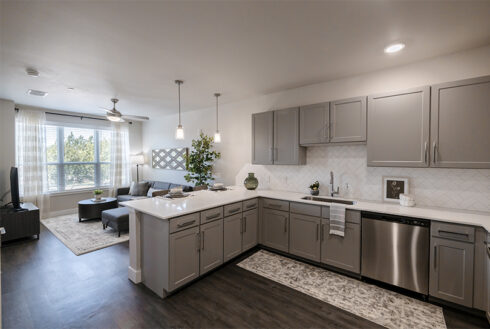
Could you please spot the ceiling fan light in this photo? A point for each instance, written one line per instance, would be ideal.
(217, 137)
(114, 118)
(179, 132)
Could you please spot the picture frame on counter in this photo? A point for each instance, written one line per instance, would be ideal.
(393, 187)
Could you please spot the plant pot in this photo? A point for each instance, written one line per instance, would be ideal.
(98, 197)
(314, 192)
(251, 182)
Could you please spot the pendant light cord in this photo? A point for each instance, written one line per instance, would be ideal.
(179, 102)
(217, 95)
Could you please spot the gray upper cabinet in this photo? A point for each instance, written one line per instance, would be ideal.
(250, 229)
(232, 236)
(460, 121)
(398, 128)
(314, 124)
(184, 257)
(211, 246)
(342, 252)
(286, 138)
(275, 229)
(304, 236)
(262, 138)
(348, 120)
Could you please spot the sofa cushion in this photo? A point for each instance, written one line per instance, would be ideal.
(161, 185)
(127, 197)
(139, 189)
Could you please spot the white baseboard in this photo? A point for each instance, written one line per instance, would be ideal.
(134, 275)
(62, 212)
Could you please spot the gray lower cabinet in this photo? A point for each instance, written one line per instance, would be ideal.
(348, 120)
(250, 229)
(451, 271)
(480, 270)
(211, 246)
(398, 128)
(184, 257)
(286, 138)
(262, 138)
(304, 236)
(342, 252)
(275, 229)
(460, 121)
(314, 124)
(232, 233)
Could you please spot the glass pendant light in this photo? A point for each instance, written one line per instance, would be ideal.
(217, 135)
(179, 132)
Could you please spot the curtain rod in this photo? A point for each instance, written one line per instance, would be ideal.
(75, 116)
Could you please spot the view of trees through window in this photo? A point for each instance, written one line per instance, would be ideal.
(77, 157)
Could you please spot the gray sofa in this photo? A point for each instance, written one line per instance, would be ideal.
(122, 194)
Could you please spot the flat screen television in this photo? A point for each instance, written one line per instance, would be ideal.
(14, 188)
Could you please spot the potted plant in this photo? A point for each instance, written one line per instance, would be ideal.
(315, 188)
(201, 159)
(98, 195)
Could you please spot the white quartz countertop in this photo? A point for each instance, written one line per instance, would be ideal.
(201, 200)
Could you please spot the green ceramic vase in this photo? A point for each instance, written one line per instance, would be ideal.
(251, 182)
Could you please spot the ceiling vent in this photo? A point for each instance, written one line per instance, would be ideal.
(37, 92)
(32, 72)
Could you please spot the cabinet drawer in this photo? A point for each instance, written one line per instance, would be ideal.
(233, 208)
(250, 204)
(453, 231)
(351, 216)
(211, 214)
(276, 204)
(306, 209)
(183, 222)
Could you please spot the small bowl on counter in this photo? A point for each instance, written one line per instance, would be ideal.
(407, 200)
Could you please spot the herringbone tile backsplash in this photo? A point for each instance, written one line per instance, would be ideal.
(451, 188)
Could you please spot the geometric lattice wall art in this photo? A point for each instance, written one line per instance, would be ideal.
(173, 159)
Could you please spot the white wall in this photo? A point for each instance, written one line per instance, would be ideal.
(454, 188)
(7, 146)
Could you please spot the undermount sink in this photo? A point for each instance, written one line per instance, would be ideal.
(315, 198)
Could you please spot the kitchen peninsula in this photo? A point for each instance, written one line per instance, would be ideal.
(174, 241)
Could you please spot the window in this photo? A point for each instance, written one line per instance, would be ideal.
(77, 158)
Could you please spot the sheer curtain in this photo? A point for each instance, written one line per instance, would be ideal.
(120, 165)
(30, 141)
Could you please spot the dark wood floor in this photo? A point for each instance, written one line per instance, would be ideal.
(44, 285)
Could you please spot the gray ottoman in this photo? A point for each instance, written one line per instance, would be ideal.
(117, 218)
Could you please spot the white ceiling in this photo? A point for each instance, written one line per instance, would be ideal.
(134, 50)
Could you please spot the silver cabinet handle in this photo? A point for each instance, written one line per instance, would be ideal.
(250, 206)
(321, 232)
(435, 256)
(198, 241)
(186, 224)
(241, 225)
(425, 152)
(317, 231)
(213, 216)
(285, 224)
(274, 205)
(434, 148)
(244, 224)
(234, 210)
(202, 240)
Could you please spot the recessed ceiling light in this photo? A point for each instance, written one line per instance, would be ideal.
(32, 72)
(394, 48)
(37, 92)
(70, 89)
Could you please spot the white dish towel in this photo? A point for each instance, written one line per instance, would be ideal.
(337, 219)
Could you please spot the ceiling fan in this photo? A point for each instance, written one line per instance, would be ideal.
(116, 116)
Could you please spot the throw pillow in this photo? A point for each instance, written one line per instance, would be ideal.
(139, 189)
(151, 190)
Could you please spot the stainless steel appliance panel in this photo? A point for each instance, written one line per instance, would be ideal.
(396, 252)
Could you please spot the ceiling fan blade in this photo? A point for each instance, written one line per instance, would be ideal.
(135, 117)
(104, 109)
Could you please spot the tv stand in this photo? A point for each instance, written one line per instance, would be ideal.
(20, 223)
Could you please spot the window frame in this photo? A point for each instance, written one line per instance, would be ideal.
(60, 163)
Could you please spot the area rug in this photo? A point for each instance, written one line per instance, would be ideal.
(387, 308)
(83, 237)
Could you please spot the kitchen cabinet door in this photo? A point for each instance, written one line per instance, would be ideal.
(398, 129)
(314, 124)
(232, 236)
(451, 271)
(348, 120)
(460, 121)
(275, 228)
(286, 138)
(211, 246)
(184, 257)
(342, 252)
(304, 236)
(262, 138)
(250, 222)
(480, 270)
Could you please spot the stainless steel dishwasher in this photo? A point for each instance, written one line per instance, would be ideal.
(395, 250)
